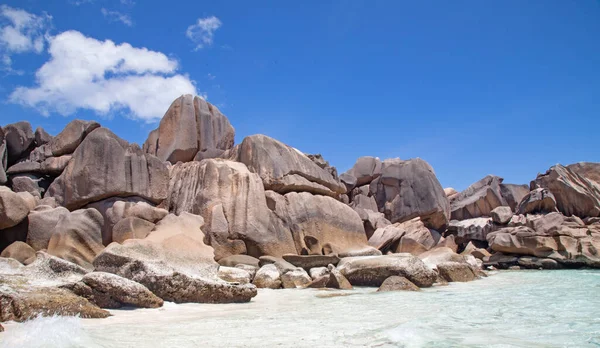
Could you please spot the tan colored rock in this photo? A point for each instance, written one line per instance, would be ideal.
(409, 189)
(67, 141)
(373, 270)
(396, 283)
(234, 260)
(478, 253)
(284, 169)
(337, 280)
(131, 228)
(588, 170)
(365, 170)
(296, 278)
(310, 261)
(539, 200)
(478, 200)
(234, 275)
(19, 139)
(501, 215)
(471, 229)
(77, 237)
(191, 125)
(318, 272)
(513, 194)
(575, 194)
(450, 191)
(19, 251)
(3, 158)
(411, 236)
(456, 272)
(13, 207)
(267, 276)
(132, 173)
(41, 221)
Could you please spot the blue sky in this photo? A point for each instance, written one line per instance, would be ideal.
(473, 87)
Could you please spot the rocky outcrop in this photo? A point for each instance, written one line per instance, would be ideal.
(478, 200)
(451, 266)
(41, 223)
(232, 202)
(502, 215)
(513, 194)
(234, 260)
(397, 283)
(409, 189)
(588, 170)
(310, 261)
(19, 139)
(295, 278)
(67, 141)
(106, 166)
(408, 237)
(539, 200)
(174, 263)
(108, 290)
(566, 240)
(284, 169)
(337, 280)
(374, 270)
(365, 170)
(471, 229)
(267, 276)
(234, 275)
(574, 193)
(77, 237)
(3, 158)
(190, 126)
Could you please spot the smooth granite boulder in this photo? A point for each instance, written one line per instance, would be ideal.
(67, 141)
(397, 283)
(478, 200)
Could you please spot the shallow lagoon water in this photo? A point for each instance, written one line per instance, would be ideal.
(507, 309)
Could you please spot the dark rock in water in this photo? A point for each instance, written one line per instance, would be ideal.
(396, 283)
(373, 270)
(410, 189)
(456, 272)
(337, 280)
(191, 125)
(530, 262)
(309, 261)
(319, 283)
(108, 290)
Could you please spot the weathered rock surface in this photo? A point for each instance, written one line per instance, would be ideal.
(397, 283)
(13, 208)
(32, 183)
(471, 229)
(234, 260)
(318, 272)
(513, 194)
(41, 136)
(41, 223)
(409, 189)
(103, 166)
(19, 251)
(131, 228)
(450, 191)
(588, 170)
(191, 125)
(77, 237)
(284, 169)
(234, 275)
(19, 139)
(362, 198)
(67, 141)
(575, 195)
(337, 280)
(174, 263)
(451, 266)
(365, 170)
(232, 202)
(310, 261)
(373, 270)
(411, 237)
(267, 276)
(108, 290)
(296, 278)
(3, 158)
(478, 200)
(502, 215)
(539, 200)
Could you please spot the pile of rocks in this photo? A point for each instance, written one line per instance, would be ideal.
(193, 217)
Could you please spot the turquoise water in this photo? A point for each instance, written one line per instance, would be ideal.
(507, 309)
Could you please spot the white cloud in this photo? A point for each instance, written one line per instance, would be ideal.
(203, 31)
(85, 73)
(116, 16)
(127, 2)
(21, 32)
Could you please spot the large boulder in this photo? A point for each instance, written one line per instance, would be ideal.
(14, 208)
(310, 261)
(409, 189)
(513, 194)
(19, 251)
(174, 263)
(285, 169)
(309, 218)
(71, 136)
(408, 237)
(397, 283)
(42, 220)
(502, 215)
(268, 276)
(131, 228)
(451, 266)
(41, 136)
(374, 270)
(588, 170)
(232, 202)
(35, 184)
(574, 193)
(77, 237)
(471, 229)
(19, 139)
(234, 275)
(190, 126)
(365, 170)
(478, 200)
(103, 166)
(539, 200)
(108, 290)
(295, 278)
(234, 260)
